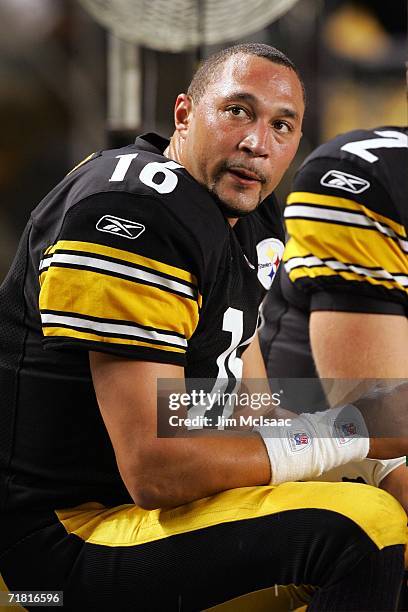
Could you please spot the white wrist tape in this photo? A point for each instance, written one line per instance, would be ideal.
(315, 443)
(372, 471)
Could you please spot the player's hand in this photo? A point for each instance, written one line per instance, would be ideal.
(396, 483)
(387, 448)
(385, 411)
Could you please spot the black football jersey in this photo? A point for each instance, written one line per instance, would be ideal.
(347, 220)
(127, 255)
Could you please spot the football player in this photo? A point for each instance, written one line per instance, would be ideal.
(144, 263)
(339, 308)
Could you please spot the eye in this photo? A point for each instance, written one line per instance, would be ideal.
(282, 126)
(237, 111)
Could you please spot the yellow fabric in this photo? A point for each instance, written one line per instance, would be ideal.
(95, 294)
(88, 157)
(49, 332)
(344, 243)
(329, 239)
(122, 256)
(275, 599)
(318, 271)
(4, 589)
(375, 511)
(308, 197)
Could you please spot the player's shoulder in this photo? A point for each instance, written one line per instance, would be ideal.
(363, 165)
(141, 169)
(364, 145)
(139, 186)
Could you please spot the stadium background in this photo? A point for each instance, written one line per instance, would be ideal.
(54, 87)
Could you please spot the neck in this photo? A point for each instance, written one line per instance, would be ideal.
(174, 150)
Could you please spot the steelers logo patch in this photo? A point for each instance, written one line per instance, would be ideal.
(270, 252)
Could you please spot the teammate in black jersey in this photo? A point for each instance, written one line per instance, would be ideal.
(348, 253)
(346, 263)
(150, 262)
(340, 306)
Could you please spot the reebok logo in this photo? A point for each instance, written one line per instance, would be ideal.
(120, 227)
(342, 180)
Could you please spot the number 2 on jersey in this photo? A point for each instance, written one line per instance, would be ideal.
(389, 140)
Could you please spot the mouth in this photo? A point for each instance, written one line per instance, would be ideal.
(244, 176)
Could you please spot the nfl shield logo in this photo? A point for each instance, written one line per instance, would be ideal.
(349, 429)
(345, 432)
(299, 441)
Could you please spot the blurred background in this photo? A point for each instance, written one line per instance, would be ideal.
(70, 86)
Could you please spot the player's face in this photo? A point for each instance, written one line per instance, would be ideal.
(244, 131)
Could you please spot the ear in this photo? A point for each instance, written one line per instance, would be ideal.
(183, 110)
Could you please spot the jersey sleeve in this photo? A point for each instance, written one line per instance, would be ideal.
(348, 250)
(122, 277)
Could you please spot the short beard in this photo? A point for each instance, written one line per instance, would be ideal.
(229, 210)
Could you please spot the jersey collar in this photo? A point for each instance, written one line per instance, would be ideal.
(152, 142)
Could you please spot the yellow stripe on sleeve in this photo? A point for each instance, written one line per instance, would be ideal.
(123, 256)
(319, 271)
(94, 294)
(306, 197)
(345, 244)
(53, 332)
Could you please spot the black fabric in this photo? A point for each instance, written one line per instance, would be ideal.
(373, 584)
(284, 338)
(350, 302)
(54, 448)
(285, 345)
(13, 337)
(403, 602)
(380, 194)
(195, 570)
(387, 175)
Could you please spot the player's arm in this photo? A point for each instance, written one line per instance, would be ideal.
(378, 349)
(255, 380)
(160, 472)
(254, 366)
(342, 257)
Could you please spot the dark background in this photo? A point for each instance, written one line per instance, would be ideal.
(53, 87)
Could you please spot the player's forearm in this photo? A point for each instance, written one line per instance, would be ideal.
(177, 471)
(170, 472)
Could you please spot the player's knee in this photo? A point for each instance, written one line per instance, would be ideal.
(372, 510)
(379, 514)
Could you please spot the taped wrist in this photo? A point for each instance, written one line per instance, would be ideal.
(315, 443)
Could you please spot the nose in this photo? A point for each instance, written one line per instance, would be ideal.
(256, 142)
